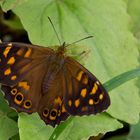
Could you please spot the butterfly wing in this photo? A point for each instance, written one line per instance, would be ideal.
(22, 69)
(85, 95)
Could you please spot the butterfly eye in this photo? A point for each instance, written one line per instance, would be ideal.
(14, 91)
(27, 104)
(18, 98)
(45, 112)
(53, 114)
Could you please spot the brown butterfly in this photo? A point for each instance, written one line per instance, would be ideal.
(39, 79)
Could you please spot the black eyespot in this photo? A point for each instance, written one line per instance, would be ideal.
(19, 97)
(27, 104)
(45, 112)
(53, 113)
(14, 91)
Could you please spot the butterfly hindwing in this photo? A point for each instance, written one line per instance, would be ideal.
(85, 95)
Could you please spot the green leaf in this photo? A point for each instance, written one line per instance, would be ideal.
(33, 128)
(92, 125)
(70, 129)
(8, 127)
(134, 132)
(3, 105)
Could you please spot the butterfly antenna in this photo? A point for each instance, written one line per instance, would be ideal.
(54, 30)
(79, 40)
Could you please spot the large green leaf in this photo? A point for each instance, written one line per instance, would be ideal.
(31, 127)
(8, 127)
(112, 50)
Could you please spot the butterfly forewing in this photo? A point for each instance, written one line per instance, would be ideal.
(17, 59)
(85, 94)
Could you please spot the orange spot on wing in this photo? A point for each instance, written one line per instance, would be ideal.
(13, 77)
(7, 71)
(85, 80)
(19, 52)
(24, 85)
(94, 89)
(58, 101)
(79, 76)
(83, 92)
(91, 102)
(101, 96)
(11, 60)
(28, 52)
(69, 102)
(63, 109)
(6, 51)
(77, 102)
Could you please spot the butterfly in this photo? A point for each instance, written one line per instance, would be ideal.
(46, 81)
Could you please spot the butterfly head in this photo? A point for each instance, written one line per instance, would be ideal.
(62, 49)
